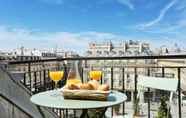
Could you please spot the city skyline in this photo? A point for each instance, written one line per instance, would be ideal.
(72, 24)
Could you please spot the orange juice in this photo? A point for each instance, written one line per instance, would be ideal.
(73, 81)
(95, 75)
(56, 75)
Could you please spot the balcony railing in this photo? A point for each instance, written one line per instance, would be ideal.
(36, 77)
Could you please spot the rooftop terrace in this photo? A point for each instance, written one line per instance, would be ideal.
(32, 77)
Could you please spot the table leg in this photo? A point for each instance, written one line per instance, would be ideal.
(97, 113)
(103, 113)
(84, 113)
(66, 113)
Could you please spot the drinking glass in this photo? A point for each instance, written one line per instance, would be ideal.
(95, 75)
(56, 76)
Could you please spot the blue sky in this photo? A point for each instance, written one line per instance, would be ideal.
(71, 24)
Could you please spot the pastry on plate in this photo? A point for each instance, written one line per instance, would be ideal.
(73, 87)
(103, 87)
(94, 83)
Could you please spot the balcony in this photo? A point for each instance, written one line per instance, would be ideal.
(118, 72)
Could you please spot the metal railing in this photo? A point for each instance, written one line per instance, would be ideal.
(37, 81)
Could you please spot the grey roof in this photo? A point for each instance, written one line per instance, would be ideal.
(17, 95)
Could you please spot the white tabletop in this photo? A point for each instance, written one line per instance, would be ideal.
(46, 99)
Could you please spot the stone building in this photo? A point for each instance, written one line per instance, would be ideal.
(125, 48)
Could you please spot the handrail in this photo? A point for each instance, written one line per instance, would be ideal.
(122, 66)
(102, 58)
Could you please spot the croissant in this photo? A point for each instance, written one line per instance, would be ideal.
(86, 86)
(94, 83)
(103, 87)
(73, 87)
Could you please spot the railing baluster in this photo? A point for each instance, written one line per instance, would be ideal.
(123, 87)
(148, 74)
(112, 87)
(101, 78)
(24, 79)
(85, 63)
(40, 80)
(163, 71)
(179, 93)
(44, 79)
(29, 74)
(82, 79)
(63, 113)
(60, 114)
(35, 82)
(135, 84)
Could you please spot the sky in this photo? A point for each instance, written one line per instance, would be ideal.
(72, 24)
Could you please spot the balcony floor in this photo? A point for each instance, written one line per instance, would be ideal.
(154, 108)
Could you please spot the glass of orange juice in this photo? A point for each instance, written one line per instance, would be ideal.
(95, 75)
(56, 76)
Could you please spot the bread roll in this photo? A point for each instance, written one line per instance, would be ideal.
(73, 87)
(91, 87)
(103, 87)
(94, 83)
(86, 86)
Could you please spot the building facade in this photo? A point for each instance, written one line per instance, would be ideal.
(125, 48)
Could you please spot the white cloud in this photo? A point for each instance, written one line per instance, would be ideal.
(175, 27)
(160, 17)
(127, 3)
(12, 38)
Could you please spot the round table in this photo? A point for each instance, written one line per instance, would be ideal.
(47, 99)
